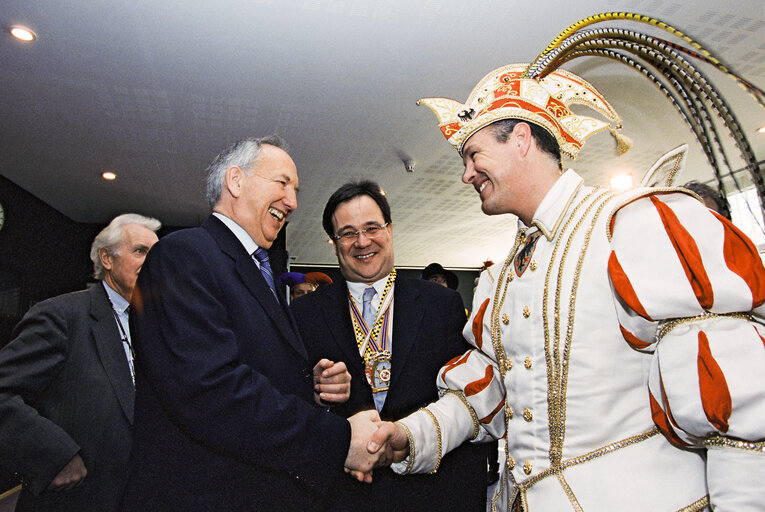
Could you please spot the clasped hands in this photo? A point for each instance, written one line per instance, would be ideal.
(374, 443)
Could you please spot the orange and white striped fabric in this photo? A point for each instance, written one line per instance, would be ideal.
(708, 373)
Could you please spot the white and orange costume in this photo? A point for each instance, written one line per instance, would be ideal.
(620, 348)
(579, 404)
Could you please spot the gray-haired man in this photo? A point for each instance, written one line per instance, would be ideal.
(66, 387)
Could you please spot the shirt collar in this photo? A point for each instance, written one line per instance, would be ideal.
(556, 202)
(357, 289)
(249, 244)
(118, 301)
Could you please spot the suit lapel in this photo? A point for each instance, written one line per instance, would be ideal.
(407, 320)
(110, 349)
(253, 280)
(338, 318)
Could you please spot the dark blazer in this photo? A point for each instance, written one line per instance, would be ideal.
(65, 388)
(427, 332)
(225, 418)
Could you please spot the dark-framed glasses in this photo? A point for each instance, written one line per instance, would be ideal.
(351, 235)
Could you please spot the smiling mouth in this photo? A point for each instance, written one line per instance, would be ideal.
(277, 214)
(365, 256)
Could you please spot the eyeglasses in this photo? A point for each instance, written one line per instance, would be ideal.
(351, 236)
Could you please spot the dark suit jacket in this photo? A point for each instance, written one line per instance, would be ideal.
(225, 418)
(427, 332)
(65, 388)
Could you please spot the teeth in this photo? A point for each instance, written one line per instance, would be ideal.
(276, 213)
(365, 256)
(483, 186)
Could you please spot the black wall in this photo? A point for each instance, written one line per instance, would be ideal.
(42, 253)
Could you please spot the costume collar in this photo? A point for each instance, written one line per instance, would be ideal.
(118, 301)
(556, 202)
(249, 244)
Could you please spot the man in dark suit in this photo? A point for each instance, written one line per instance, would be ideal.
(226, 415)
(66, 390)
(393, 334)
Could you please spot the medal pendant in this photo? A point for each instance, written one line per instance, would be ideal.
(378, 371)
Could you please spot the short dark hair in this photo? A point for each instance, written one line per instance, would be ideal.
(348, 192)
(544, 139)
(706, 192)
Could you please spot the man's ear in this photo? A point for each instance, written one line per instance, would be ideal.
(522, 137)
(105, 258)
(234, 176)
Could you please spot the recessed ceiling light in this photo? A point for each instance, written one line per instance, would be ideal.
(23, 33)
(622, 182)
(108, 175)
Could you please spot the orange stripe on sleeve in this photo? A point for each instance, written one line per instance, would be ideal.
(687, 253)
(479, 385)
(742, 259)
(623, 286)
(454, 363)
(715, 397)
(478, 324)
(661, 421)
(493, 413)
(633, 340)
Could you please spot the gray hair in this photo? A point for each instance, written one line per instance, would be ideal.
(111, 237)
(243, 154)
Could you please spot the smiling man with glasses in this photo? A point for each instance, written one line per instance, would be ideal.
(392, 334)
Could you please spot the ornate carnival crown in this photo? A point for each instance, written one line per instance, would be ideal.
(541, 92)
(506, 94)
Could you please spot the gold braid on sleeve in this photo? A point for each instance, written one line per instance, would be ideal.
(732, 442)
(438, 438)
(410, 437)
(473, 415)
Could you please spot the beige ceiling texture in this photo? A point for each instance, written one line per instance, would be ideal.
(154, 89)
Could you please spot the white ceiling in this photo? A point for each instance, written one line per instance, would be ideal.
(153, 89)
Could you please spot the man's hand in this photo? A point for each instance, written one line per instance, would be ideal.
(360, 461)
(394, 437)
(70, 476)
(331, 383)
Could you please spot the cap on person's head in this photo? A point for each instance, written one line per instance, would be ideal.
(318, 279)
(506, 93)
(290, 279)
(435, 269)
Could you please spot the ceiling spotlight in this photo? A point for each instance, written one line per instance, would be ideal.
(23, 33)
(108, 175)
(622, 182)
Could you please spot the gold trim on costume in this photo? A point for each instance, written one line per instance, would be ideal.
(697, 505)
(732, 442)
(412, 450)
(438, 439)
(667, 326)
(473, 415)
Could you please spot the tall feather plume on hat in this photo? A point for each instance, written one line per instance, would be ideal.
(671, 68)
(668, 65)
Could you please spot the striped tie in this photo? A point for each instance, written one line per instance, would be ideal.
(261, 255)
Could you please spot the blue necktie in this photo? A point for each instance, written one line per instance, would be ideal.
(368, 312)
(261, 255)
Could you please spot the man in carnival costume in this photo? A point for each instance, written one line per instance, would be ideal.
(619, 347)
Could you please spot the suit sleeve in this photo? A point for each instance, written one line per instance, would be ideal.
(31, 445)
(189, 353)
(690, 288)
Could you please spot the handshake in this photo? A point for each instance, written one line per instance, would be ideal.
(374, 443)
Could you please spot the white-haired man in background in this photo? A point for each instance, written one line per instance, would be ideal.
(66, 382)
